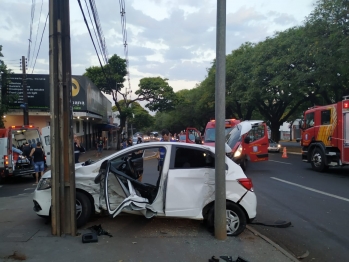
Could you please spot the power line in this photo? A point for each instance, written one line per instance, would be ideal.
(89, 31)
(124, 36)
(40, 42)
(37, 31)
(88, 10)
(99, 30)
(31, 27)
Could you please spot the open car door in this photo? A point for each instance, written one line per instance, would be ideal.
(256, 141)
(193, 136)
(120, 190)
(45, 139)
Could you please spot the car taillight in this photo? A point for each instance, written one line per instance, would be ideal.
(6, 160)
(246, 183)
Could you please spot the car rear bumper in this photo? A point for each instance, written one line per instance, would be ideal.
(249, 203)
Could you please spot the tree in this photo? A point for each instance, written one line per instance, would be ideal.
(328, 27)
(9, 98)
(141, 119)
(110, 79)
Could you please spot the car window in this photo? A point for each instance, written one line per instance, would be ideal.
(257, 132)
(193, 158)
(144, 164)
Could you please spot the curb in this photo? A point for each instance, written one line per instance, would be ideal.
(283, 251)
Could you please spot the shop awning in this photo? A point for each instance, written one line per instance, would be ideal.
(106, 126)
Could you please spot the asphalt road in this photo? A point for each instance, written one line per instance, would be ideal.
(317, 205)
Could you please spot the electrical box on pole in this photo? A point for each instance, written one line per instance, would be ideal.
(62, 166)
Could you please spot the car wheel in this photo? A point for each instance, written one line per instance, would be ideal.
(318, 160)
(83, 209)
(235, 217)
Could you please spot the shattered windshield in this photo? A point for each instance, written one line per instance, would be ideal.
(234, 136)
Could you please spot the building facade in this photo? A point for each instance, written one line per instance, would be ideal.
(91, 109)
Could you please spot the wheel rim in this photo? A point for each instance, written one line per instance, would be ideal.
(317, 160)
(233, 222)
(78, 209)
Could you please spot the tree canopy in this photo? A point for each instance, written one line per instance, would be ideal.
(4, 100)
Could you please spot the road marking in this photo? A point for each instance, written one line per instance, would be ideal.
(29, 189)
(280, 162)
(312, 189)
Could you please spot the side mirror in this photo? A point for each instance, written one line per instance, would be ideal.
(247, 140)
(300, 124)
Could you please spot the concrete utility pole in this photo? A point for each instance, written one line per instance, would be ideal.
(220, 194)
(63, 171)
(25, 95)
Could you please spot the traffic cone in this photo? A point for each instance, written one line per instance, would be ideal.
(284, 153)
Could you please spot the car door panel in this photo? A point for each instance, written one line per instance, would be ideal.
(186, 192)
(257, 148)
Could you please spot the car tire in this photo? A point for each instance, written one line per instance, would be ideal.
(235, 217)
(83, 209)
(318, 160)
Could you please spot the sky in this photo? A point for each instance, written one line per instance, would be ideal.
(173, 39)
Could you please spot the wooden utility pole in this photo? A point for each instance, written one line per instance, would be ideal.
(25, 95)
(63, 170)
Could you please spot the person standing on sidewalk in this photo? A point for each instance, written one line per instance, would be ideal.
(39, 157)
(100, 145)
(78, 148)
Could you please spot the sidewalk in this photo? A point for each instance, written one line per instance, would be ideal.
(27, 237)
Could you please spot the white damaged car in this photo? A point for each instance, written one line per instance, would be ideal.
(182, 186)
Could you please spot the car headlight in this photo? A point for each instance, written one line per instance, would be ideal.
(279, 145)
(45, 183)
(238, 151)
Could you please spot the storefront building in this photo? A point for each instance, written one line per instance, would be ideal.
(91, 109)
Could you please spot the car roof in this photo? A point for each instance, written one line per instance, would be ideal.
(247, 125)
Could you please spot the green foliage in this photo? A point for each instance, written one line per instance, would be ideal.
(110, 78)
(157, 92)
(5, 100)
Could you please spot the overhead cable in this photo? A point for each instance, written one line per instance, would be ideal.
(31, 27)
(124, 37)
(94, 45)
(40, 42)
(37, 32)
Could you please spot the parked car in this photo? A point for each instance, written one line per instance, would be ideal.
(129, 181)
(273, 146)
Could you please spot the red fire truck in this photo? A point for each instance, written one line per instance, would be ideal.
(210, 130)
(12, 163)
(325, 135)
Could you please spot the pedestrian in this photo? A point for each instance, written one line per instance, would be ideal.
(100, 145)
(26, 151)
(162, 151)
(129, 142)
(39, 157)
(78, 148)
(33, 143)
(139, 139)
(15, 155)
(124, 143)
